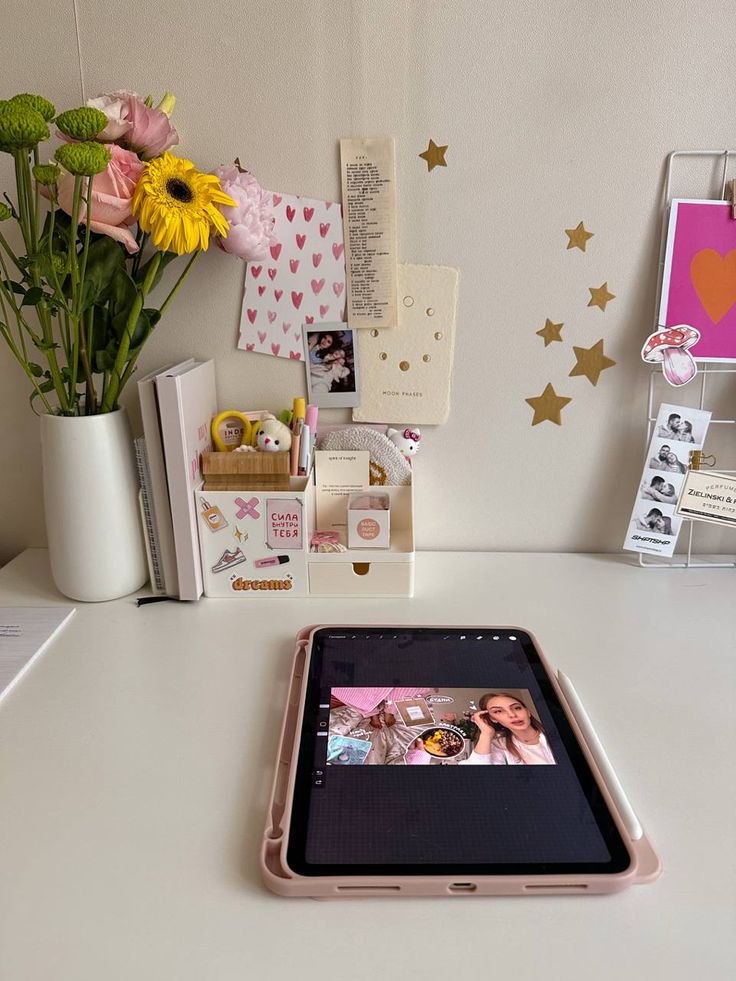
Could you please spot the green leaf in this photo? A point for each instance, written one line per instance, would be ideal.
(44, 345)
(36, 369)
(33, 297)
(105, 263)
(18, 288)
(166, 258)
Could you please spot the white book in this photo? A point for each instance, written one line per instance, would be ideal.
(25, 633)
(187, 403)
(157, 468)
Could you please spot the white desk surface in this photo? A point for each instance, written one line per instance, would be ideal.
(136, 758)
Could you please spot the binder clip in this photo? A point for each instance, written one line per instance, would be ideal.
(698, 459)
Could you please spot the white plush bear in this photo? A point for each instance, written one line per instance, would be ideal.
(273, 436)
(407, 440)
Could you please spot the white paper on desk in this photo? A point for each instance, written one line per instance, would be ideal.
(25, 632)
(338, 474)
(369, 221)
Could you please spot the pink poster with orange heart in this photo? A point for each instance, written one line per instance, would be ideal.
(699, 282)
(301, 281)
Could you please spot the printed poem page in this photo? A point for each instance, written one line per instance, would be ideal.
(369, 218)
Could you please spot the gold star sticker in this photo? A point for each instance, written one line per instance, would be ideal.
(547, 406)
(591, 362)
(550, 332)
(239, 534)
(578, 237)
(600, 297)
(434, 155)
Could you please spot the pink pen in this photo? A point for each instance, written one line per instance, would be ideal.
(310, 419)
(271, 560)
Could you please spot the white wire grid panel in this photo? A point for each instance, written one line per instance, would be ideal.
(687, 560)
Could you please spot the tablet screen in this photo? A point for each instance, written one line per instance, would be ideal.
(386, 709)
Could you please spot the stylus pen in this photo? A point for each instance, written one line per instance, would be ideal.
(604, 764)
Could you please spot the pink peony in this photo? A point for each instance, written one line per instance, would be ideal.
(251, 223)
(115, 107)
(150, 130)
(112, 192)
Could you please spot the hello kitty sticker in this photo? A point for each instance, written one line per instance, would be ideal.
(302, 280)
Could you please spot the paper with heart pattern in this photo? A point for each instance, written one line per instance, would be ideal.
(301, 281)
(699, 281)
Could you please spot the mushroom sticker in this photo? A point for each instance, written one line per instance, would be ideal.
(671, 347)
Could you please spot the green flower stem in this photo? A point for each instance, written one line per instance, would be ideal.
(90, 406)
(22, 209)
(177, 284)
(115, 387)
(10, 254)
(85, 249)
(72, 263)
(131, 364)
(36, 192)
(140, 237)
(25, 366)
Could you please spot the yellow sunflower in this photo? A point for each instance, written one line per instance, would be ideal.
(177, 205)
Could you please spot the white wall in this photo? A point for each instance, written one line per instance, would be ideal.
(553, 112)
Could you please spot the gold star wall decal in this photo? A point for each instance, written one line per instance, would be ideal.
(550, 332)
(591, 361)
(434, 155)
(600, 297)
(548, 406)
(578, 236)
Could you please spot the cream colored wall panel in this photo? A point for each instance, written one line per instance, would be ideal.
(553, 112)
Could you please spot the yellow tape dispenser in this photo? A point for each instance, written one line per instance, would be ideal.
(231, 429)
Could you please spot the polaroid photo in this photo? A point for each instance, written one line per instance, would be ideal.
(331, 359)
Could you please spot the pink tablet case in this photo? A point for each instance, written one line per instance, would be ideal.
(645, 865)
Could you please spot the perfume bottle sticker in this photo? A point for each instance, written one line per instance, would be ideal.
(213, 516)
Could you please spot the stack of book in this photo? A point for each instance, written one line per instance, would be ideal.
(177, 406)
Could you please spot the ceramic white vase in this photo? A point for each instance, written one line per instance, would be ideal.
(93, 521)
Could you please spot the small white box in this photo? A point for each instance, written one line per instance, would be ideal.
(369, 520)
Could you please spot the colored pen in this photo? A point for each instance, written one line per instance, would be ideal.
(310, 420)
(271, 560)
(300, 406)
(295, 446)
(304, 451)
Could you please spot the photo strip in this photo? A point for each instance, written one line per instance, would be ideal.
(435, 727)
(654, 526)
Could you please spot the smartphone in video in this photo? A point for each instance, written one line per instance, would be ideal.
(519, 802)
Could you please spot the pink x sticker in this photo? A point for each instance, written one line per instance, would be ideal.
(247, 508)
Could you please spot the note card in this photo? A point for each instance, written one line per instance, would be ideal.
(406, 373)
(369, 219)
(301, 282)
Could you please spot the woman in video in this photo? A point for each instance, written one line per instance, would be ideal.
(509, 734)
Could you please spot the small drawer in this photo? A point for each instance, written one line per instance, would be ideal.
(374, 578)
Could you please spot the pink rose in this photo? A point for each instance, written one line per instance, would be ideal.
(251, 223)
(112, 192)
(115, 107)
(150, 130)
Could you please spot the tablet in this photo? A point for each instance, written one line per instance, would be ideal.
(381, 710)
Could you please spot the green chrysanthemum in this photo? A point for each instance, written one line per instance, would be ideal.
(37, 102)
(82, 124)
(46, 174)
(83, 159)
(5, 212)
(20, 127)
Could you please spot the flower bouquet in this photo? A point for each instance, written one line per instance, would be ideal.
(100, 226)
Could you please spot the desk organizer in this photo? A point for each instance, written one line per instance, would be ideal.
(256, 543)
